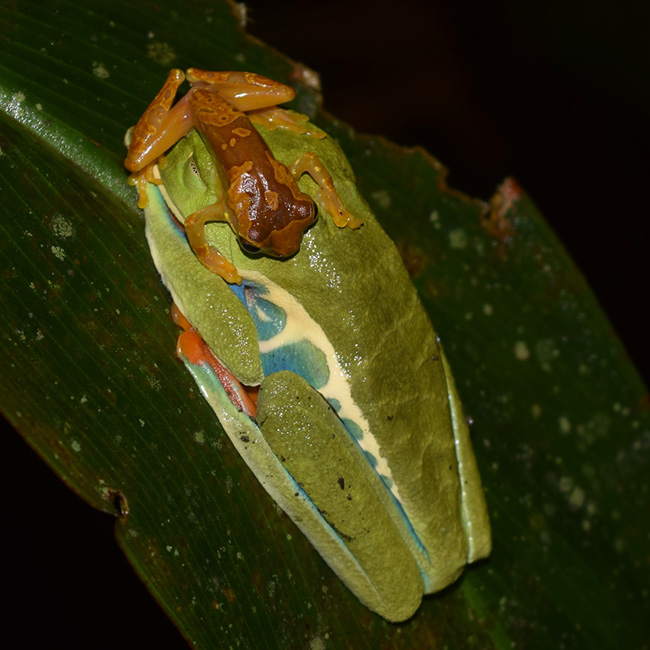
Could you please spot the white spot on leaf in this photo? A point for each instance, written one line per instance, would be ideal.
(522, 353)
(565, 424)
(99, 70)
(457, 238)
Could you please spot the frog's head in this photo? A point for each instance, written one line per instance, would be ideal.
(278, 235)
(281, 242)
(268, 212)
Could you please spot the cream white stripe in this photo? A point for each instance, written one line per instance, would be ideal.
(301, 326)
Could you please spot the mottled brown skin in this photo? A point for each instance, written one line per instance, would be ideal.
(262, 202)
(268, 210)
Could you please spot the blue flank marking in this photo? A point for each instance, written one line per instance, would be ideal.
(335, 404)
(238, 290)
(269, 319)
(353, 428)
(302, 357)
(387, 481)
(372, 460)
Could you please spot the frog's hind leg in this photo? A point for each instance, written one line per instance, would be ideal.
(326, 196)
(159, 128)
(208, 255)
(275, 117)
(151, 134)
(247, 91)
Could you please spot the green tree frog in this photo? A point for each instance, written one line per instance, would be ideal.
(318, 358)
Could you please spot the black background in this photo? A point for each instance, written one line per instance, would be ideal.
(557, 96)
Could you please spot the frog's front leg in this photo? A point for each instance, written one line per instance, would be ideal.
(208, 255)
(326, 197)
(192, 347)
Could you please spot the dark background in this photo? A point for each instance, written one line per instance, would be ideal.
(557, 96)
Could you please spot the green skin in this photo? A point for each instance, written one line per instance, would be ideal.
(346, 292)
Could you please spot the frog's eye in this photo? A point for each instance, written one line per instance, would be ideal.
(194, 168)
(193, 175)
(249, 248)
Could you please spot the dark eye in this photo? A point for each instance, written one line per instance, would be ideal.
(194, 168)
(247, 247)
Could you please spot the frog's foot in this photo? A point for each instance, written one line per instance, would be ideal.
(326, 197)
(275, 117)
(140, 180)
(208, 255)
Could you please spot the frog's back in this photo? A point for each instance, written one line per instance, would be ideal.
(270, 212)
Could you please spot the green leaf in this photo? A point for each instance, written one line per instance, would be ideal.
(89, 376)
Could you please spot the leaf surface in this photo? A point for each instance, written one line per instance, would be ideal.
(89, 376)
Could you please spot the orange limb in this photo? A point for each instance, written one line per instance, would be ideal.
(246, 91)
(208, 255)
(275, 117)
(191, 346)
(326, 196)
(154, 125)
(140, 180)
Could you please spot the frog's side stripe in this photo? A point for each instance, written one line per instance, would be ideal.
(290, 339)
(300, 355)
(396, 591)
